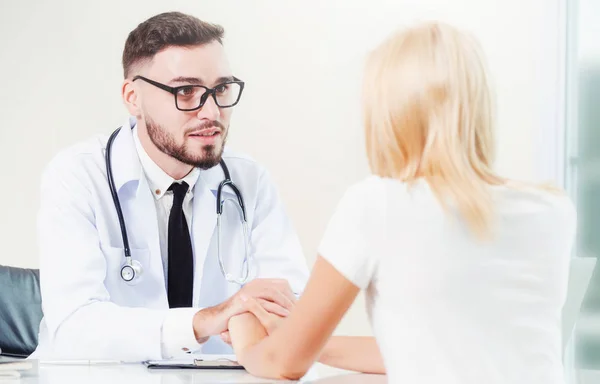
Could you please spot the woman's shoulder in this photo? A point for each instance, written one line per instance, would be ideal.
(550, 202)
(379, 189)
(375, 196)
(372, 188)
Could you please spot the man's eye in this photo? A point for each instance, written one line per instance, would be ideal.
(187, 91)
(222, 88)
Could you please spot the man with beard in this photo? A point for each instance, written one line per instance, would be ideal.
(133, 263)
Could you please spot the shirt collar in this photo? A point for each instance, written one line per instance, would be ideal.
(158, 180)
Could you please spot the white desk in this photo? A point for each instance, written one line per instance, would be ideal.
(130, 374)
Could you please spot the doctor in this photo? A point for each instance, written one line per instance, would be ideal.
(146, 272)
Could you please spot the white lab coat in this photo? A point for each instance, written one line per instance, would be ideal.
(89, 311)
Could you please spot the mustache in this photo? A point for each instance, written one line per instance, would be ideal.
(206, 125)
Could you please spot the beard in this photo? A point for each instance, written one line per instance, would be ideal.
(209, 157)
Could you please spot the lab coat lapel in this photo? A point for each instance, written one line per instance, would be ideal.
(138, 205)
(147, 222)
(204, 218)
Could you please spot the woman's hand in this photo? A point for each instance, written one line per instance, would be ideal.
(287, 349)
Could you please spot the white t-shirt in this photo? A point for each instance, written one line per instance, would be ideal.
(444, 307)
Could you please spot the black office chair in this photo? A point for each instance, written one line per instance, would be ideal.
(20, 310)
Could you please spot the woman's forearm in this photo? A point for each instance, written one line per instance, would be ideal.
(353, 353)
(294, 344)
(246, 333)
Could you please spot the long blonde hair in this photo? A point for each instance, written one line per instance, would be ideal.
(429, 114)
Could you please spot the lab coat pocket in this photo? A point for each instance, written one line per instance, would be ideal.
(136, 293)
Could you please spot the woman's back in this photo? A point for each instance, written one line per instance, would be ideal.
(445, 306)
(465, 276)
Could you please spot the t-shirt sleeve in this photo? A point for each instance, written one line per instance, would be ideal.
(351, 236)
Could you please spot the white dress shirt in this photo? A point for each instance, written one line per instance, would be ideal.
(177, 331)
(445, 307)
(159, 183)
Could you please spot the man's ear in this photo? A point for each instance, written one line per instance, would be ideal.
(130, 97)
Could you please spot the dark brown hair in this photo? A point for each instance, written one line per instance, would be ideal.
(166, 30)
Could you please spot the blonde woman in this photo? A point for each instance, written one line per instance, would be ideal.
(465, 271)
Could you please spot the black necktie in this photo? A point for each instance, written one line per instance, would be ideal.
(181, 259)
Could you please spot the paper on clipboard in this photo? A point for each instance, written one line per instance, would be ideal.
(196, 362)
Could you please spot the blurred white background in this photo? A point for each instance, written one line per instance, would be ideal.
(300, 113)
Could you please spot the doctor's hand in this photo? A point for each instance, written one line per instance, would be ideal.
(273, 295)
(269, 321)
(251, 326)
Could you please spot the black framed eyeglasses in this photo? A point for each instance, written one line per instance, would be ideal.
(192, 97)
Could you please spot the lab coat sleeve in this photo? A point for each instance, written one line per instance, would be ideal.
(276, 247)
(81, 320)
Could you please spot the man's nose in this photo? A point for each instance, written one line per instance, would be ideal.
(210, 110)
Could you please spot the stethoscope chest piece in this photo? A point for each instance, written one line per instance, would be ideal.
(131, 271)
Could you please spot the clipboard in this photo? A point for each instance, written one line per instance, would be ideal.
(194, 363)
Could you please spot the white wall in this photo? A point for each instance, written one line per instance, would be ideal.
(300, 114)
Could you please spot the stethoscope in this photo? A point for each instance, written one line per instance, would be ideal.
(132, 270)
